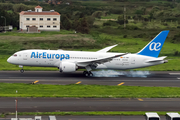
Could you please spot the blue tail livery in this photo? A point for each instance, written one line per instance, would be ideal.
(154, 47)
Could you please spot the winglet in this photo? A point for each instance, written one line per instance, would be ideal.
(153, 48)
(104, 50)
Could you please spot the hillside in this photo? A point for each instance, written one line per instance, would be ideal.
(98, 24)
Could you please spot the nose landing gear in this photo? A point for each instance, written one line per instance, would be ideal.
(87, 73)
(21, 68)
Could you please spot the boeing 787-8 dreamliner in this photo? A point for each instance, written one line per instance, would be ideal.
(70, 61)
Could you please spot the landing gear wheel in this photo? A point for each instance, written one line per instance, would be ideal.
(21, 66)
(21, 70)
(84, 72)
(87, 74)
(90, 74)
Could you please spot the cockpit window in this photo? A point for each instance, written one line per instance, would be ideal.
(15, 55)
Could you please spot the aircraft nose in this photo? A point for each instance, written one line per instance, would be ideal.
(9, 60)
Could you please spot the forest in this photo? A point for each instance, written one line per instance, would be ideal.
(83, 15)
(98, 23)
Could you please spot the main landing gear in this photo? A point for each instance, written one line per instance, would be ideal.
(21, 68)
(87, 73)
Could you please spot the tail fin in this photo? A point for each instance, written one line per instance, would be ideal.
(153, 48)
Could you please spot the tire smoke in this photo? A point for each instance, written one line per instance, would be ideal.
(113, 73)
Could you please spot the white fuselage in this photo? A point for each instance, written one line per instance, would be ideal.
(52, 58)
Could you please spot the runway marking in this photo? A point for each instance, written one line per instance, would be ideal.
(121, 84)
(174, 73)
(35, 81)
(140, 99)
(78, 82)
(178, 78)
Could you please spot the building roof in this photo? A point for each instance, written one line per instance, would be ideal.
(38, 6)
(39, 13)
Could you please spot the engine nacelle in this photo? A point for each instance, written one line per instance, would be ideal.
(67, 67)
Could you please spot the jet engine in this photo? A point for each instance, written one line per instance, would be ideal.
(67, 67)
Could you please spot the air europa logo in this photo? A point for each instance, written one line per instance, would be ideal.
(155, 46)
(49, 56)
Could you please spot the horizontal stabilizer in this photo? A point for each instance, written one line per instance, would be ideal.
(157, 59)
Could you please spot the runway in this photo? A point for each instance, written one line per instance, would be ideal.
(171, 79)
(89, 104)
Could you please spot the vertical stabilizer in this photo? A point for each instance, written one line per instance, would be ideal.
(154, 47)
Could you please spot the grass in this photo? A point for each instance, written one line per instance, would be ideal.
(93, 3)
(111, 16)
(129, 44)
(99, 22)
(86, 91)
(133, 45)
(13, 42)
(134, 41)
(10, 11)
(42, 34)
(156, 24)
(93, 113)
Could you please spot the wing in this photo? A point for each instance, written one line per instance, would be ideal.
(93, 63)
(104, 50)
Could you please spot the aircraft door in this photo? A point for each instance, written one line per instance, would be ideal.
(133, 60)
(25, 56)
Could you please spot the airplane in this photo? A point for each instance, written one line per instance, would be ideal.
(71, 61)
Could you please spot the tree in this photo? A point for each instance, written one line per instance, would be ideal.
(14, 19)
(79, 14)
(66, 23)
(116, 11)
(83, 26)
(90, 21)
(2, 1)
(75, 24)
(121, 0)
(139, 12)
(97, 14)
(121, 20)
(11, 18)
(20, 7)
(2, 13)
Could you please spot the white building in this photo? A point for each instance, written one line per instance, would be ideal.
(44, 20)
